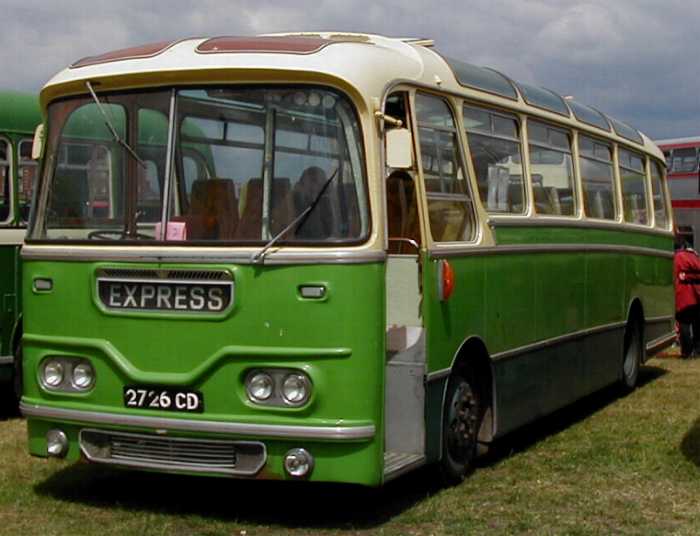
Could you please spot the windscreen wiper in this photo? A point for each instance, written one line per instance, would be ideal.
(259, 257)
(111, 128)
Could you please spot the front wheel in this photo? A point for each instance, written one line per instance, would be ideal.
(632, 356)
(460, 429)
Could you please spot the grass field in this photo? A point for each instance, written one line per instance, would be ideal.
(610, 464)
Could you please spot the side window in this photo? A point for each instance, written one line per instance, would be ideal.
(595, 162)
(633, 179)
(658, 194)
(685, 160)
(450, 208)
(27, 178)
(494, 142)
(551, 169)
(5, 191)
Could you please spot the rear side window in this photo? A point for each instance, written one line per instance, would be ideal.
(597, 179)
(633, 179)
(494, 143)
(450, 207)
(551, 170)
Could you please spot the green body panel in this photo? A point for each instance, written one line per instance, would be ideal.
(19, 116)
(338, 341)
(513, 299)
(10, 295)
(19, 113)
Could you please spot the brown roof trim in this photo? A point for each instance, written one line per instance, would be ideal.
(272, 44)
(133, 53)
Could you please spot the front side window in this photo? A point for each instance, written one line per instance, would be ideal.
(551, 170)
(595, 162)
(27, 178)
(494, 142)
(5, 176)
(244, 163)
(659, 197)
(633, 178)
(450, 208)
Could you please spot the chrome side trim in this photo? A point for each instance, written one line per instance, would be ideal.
(659, 319)
(520, 221)
(437, 375)
(7, 359)
(219, 255)
(660, 343)
(539, 345)
(439, 253)
(347, 433)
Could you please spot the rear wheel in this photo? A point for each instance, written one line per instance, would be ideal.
(633, 354)
(460, 429)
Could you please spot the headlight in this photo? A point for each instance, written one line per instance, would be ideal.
(259, 386)
(53, 373)
(296, 389)
(83, 376)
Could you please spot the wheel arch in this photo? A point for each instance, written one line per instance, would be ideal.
(635, 313)
(472, 358)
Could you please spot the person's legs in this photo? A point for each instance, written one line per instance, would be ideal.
(695, 323)
(685, 322)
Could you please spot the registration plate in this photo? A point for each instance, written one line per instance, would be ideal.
(164, 399)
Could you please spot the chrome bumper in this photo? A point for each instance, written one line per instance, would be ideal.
(323, 433)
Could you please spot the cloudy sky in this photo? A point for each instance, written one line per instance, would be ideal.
(630, 58)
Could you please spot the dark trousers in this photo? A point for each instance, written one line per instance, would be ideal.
(689, 322)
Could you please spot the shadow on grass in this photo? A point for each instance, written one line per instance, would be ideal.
(690, 445)
(290, 504)
(560, 420)
(287, 503)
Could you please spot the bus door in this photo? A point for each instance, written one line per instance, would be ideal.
(405, 335)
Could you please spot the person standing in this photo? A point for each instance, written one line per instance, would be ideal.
(686, 275)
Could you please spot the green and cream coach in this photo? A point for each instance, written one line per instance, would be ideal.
(333, 257)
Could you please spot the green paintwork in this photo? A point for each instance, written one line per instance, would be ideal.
(511, 300)
(338, 341)
(19, 112)
(19, 116)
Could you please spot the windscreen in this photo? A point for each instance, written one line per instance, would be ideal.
(236, 166)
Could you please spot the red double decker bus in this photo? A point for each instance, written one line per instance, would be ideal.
(684, 184)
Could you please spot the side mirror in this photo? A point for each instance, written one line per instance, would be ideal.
(38, 144)
(399, 148)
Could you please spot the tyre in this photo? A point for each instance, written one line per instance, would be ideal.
(460, 429)
(632, 355)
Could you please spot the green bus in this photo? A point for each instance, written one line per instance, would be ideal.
(19, 116)
(328, 257)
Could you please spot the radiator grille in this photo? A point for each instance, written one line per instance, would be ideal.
(173, 453)
(187, 275)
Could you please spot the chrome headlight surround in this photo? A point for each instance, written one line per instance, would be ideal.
(83, 376)
(52, 373)
(296, 389)
(64, 374)
(259, 386)
(287, 388)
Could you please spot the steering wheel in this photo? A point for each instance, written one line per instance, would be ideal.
(106, 234)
